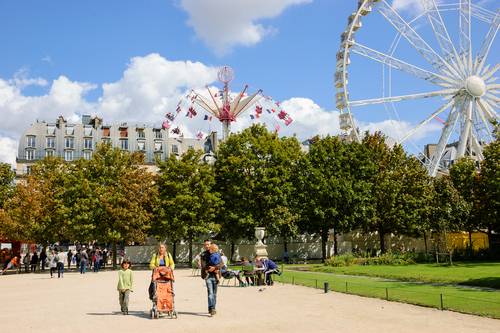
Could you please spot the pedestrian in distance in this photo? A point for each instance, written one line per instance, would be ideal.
(43, 259)
(53, 262)
(61, 256)
(26, 262)
(83, 261)
(125, 285)
(34, 261)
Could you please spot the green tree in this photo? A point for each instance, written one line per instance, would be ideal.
(488, 189)
(37, 204)
(188, 202)
(329, 194)
(399, 185)
(6, 182)
(254, 175)
(124, 196)
(446, 208)
(463, 175)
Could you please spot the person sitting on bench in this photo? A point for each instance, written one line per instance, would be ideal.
(268, 267)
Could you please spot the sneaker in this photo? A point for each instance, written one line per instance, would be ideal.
(214, 312)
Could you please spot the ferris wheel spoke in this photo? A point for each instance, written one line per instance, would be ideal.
(401, 65)
(443, 141)
(480, 111)
(482, 14)
(488, 110)
(425, 121)
(439, 29)
(488, 41)
(445, 92)
(465, 29)
(489, 73)
(466, 112)
(388, 12)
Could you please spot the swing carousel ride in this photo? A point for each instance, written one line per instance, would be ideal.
(226, 107)
(458, 85)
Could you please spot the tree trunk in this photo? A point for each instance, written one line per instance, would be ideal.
(232, 250)
(470, 244)
(114, 255)
(490, 241)
(190, 252)
(324, 238)
(425, 244)
(174, 251)
(381, 235)
(335, 244)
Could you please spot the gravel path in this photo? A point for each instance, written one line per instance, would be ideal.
(89, 303)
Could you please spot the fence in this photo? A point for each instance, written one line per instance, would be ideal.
(439, 300)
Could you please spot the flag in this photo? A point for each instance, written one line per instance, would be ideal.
(282, 114)
(268, 111)
(205, 118)
(165, 124)
(170, 116)
(273, 110)
(199, 135)
(252, 117)
(288, 121)
(277, 104)
(258, 109)
(277, 128)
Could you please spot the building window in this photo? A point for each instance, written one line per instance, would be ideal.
(106, 141)
(175, 149)
(69, 143)
(158, 156)
(68, 155)
(124, 144)
(140, 133)
(31, 141)
(87, 143)
(51, 142)
(70, 130)
(141, 145)
(30, 154)
(87, 131)
(106, 131)
(123, 132)
(158, 146)
(51, 129)
(49, 153)
(28, 169)
(87, 154)
(158, 134)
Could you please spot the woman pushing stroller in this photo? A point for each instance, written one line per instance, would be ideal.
(161, 289)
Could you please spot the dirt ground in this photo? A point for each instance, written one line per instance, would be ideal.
(89, 303)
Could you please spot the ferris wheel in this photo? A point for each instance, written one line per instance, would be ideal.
(460, 82)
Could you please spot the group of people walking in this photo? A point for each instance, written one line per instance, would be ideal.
(213, 266)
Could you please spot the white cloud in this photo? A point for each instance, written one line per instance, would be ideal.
(408, 5)
(396, 130)
(21, 79)
(150, 87)
(8, 149)
(222, 24)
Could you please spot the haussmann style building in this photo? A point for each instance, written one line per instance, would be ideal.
(74, 141)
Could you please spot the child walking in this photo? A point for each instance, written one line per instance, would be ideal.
(125, 282)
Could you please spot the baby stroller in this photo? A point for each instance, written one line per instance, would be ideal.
(161, 293)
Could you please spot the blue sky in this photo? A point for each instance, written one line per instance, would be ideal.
(74, 57)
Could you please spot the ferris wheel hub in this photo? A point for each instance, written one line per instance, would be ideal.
(475, 86)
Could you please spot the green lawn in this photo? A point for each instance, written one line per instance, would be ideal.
(456, 298)
(484, 274)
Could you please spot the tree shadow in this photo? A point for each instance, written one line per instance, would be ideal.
(487, 282)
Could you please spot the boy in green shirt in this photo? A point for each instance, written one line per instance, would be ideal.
(125, 281)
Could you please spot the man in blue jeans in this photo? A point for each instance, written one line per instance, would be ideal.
(212, 261)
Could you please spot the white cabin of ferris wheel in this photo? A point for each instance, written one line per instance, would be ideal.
(475, 86)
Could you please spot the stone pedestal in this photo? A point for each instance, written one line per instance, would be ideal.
(260, 247)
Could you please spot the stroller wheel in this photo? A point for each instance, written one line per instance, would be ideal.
(151, 314)
(174, 314)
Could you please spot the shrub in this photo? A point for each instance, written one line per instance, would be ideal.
(384, 259)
